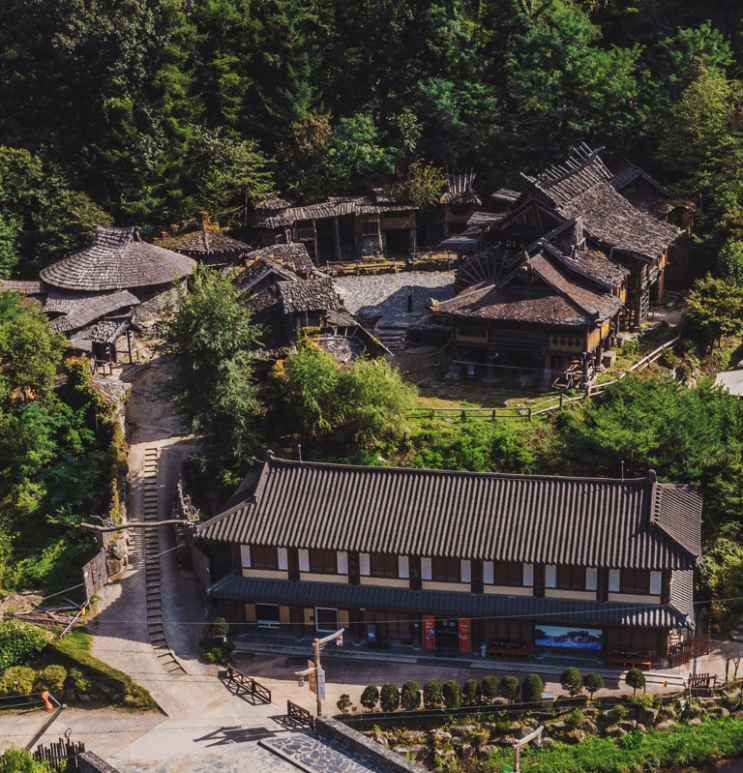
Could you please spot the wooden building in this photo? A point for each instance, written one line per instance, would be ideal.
(454, 210)
(96, 295)
(582, 190)
(449, 561)
(208, 243)
(341, 228)
(550, 311)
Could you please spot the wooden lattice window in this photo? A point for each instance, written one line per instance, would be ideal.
(571, 577)
(508, 573)
(323, 562)
(382, 565)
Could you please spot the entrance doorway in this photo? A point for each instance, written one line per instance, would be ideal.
(326, 620)
(447, 634)
(267, 615)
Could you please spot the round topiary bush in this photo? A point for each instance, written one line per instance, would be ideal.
(509, 688)
(52, 678)
(635, 679)
(471, 693)
(490, 688)
(370, 697)
(593, 683)
(432, 692)
(572, 681)
(344, 703)
(452, 695)
(532, 689)
(17, 680)
(410, 698)
(390, 697)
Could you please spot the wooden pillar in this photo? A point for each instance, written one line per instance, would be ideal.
(415, 573)
(477, 583)
(317, 248)
(292, 556)
(236, 555)
(602, 585)
(296, 617)
(416, 631)
(665, 587)
(354, 569)
(539, 581)
(356, 618)
(337, 238)
(129, 345)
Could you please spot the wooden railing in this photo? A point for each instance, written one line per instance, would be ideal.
(248, 683)
(528, 412)
(684, 652)
(299, 714)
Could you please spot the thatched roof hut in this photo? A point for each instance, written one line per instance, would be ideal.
(118, 260)
(208, 244)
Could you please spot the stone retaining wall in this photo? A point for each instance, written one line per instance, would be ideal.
(87, 762)
(383, 757)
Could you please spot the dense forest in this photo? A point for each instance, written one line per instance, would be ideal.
(147, 111)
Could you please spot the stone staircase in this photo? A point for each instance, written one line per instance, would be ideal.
(153, 579)
(392, 336)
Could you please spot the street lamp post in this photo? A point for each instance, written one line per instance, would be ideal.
(318, 645)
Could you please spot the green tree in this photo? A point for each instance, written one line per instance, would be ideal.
(571, 681)
(210, 337)
(421, 182)
(593, 683)
(389, 698)
(730, 262)
(452, 694)
(20, 761)
(410, 698)
(715, 309)
(532, 689)
(432, 694)
(471, 693)
(343, 703)
(635, 679)
(370, 697)
(490, 688)
(509, 688)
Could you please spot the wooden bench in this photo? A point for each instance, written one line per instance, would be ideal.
(508, 650)
(629, 658)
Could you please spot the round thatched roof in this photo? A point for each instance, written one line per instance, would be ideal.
(117, 260)
(205, 241)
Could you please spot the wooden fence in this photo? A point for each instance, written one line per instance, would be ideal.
(54, 754)
(300, 715)
(684, 652)
(528, 412)
(248, 683)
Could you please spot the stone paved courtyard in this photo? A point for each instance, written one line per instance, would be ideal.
(387, 295)
(315, 753)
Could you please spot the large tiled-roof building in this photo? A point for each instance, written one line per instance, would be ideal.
(513, 557)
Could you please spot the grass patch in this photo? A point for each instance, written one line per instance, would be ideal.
(74, 652)
(682, 746)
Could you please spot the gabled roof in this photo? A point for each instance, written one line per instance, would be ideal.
(524, 518)
(308, 295)
(293, 256)
(117, 260)
(562, 302)
(205, 241)
(581, 188)
(258, 271)
(92, 308)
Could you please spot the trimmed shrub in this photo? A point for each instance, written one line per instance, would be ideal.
(509, 688)
(571, 681)
(490, 688)
(344, 703)
(18, 680)
(432, 692)
(410, 697)
(452, 695)
(471, 693)
(370, 697)
(18, 641)
(635, 679)
(575, 719)
(82, 683)
(390, 697)
(52, 678)
(532, 689)
(593, 683)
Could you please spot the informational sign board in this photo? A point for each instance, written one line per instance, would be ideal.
(464, 634)
(429, 632)
(321, 683)
(95, 574)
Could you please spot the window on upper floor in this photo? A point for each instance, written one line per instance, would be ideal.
(264, 557)
(446, 570)
(571, 577)
(382, 565)
(634, 581)
(323, 562)
(508, 573)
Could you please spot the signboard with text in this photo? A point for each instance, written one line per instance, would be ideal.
(464, 634)
(429, 632)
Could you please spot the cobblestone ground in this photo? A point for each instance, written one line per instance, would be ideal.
(388, 294)
(321, 755)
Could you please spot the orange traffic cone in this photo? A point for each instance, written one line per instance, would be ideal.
(45, 697)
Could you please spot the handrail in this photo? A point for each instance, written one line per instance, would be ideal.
(302, 716)
(248, 683)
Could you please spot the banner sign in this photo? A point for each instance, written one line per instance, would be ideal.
(464, 634)
(429, 632)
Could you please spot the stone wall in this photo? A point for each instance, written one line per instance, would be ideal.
(386, 759)
(87, 762)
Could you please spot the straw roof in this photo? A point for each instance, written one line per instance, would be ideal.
(205, 241)
(117, 260)
(94, 308)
